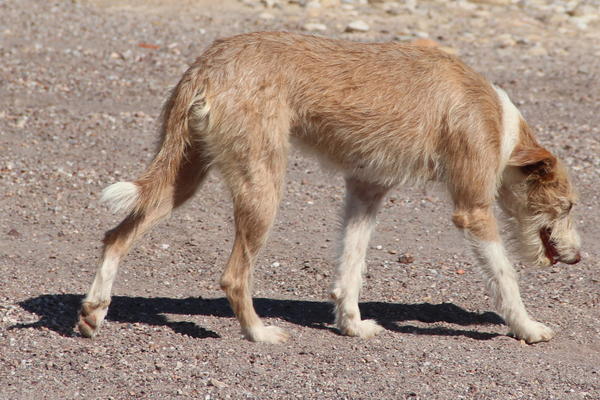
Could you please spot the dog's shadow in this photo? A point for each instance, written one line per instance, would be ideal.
(58, 312)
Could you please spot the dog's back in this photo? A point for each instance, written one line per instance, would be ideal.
(389, 111)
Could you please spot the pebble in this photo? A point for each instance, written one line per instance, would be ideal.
(14, 233)
(506, 40)
(216, 383)
(538, 50)
(406, 259)
(358, 26)
(21, 122)
(266, 16)
(271, 3)
(314, 27)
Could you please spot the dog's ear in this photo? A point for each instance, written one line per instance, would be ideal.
(534, 161)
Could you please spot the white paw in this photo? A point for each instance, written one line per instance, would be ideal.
(533, 332)
(365, 329)
(91, 317)
(266, 334)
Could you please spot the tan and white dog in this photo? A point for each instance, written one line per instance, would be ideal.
(383, 114)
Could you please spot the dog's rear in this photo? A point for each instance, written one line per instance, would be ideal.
(383, 114)
(178, 168)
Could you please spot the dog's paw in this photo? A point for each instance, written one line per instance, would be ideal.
(267, 334)
(90, 318)
(365, 329)
(533, 332)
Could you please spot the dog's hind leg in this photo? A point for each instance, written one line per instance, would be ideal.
(118, 241)
(254, 175)
(480, 225)
(362, 203)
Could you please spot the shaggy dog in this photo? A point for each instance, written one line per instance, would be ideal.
(383, 114)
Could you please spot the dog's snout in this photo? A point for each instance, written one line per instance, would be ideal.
(574, 260)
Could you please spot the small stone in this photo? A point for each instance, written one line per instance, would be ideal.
(314, 27)
(266, 16)
(270, 3)
(538, 51)
(403, 38)
(14, 233)
(216, 383)
(379, 247)
(275, 264)
(21, 122)
(313, 9)
(506, 40)
(406, 259)
(460, 271)
(358, 26)
(165, 246)
(582, 22)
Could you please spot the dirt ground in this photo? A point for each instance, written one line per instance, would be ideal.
(81, 86)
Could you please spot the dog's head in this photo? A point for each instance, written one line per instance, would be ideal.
(537, 194)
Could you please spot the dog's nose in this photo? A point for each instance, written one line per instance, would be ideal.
(575, 260)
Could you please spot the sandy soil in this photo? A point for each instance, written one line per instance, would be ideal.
(81, 85)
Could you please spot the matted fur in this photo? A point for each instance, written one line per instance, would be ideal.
(383, 114)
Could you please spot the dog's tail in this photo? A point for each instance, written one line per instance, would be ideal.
(158, 181)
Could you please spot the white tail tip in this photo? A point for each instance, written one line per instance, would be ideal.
(120, 196)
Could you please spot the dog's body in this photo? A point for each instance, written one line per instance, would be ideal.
(383, 114)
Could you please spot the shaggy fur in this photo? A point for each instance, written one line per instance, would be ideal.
(383, 114)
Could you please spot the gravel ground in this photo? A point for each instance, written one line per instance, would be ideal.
(81, 85)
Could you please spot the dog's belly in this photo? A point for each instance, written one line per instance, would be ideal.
(385, 158)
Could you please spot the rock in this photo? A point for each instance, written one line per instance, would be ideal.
(538, 50)
(314, 27)
(313, 4)
(506, 40)
(14, 233)
(216, 383)
(358, 26)
(583, 21)
(271, 3)
(21, 122)
(266, 16)
(406, 259)
(313, 9)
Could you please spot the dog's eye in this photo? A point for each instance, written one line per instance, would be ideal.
(568, 207)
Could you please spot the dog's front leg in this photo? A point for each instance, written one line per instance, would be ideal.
(480, 225)
(362, 202)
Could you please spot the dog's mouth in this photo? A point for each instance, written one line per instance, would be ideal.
(549, 245)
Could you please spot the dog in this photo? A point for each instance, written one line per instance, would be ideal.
(384, 114)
